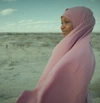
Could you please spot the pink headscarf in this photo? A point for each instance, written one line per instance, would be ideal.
(71, 66)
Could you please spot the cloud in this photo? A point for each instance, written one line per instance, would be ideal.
(44, 27)
(36, 26)
(44, 22)
(97, 18)
(7, 11)
(9, 0)
(22, 21)
(30, 25)
(11, 24)
(26, 22)
(31, 22)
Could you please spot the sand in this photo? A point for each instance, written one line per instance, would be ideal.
(23, 57)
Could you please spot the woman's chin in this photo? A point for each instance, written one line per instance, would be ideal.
(64, 34)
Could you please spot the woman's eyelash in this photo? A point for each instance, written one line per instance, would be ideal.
(66, 21)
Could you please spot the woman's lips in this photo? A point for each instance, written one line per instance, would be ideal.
(64, 32)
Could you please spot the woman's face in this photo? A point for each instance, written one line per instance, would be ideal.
(67, 26)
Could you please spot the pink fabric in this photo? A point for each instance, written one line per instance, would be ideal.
(70, 68)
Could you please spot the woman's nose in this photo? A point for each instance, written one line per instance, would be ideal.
(62, 26)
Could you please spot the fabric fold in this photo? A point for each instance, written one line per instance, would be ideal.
(70, 68)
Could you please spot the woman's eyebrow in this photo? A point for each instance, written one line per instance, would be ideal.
(65, 21)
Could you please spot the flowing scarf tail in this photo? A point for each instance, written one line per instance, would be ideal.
(28, 97)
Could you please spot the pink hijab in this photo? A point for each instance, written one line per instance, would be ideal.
(71, 66)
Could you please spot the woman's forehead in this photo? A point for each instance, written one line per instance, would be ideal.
(64, 18)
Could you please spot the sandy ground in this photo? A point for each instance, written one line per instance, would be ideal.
(23, 58)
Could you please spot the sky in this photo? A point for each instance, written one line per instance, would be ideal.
(40, 15)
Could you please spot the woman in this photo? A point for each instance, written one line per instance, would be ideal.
(71, 66)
